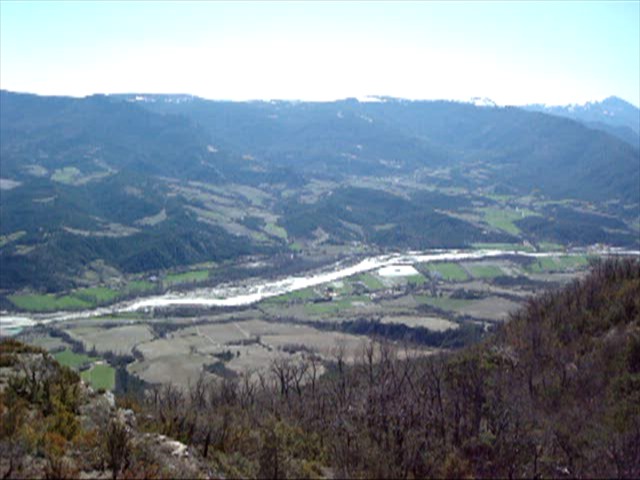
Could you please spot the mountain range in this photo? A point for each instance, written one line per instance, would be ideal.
(149, 182)
(612, 115)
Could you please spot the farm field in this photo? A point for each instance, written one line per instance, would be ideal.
(485, 271)
(556, 277)
(483, 287)
(179, 370)
(432, 323)
(48, 302)
(72, 359)
(503, 219)
(490, 308)
(335, 306)
(550, 247)
(80, 299)
(97, 295)
(304, 294)
(120, 339)
(416, 279)
(66, 175)
(518, 247)
(187, 277)
(91, 297)
(100, 376)
(369, 280)
(444, 303)
(269, 335)
(44, 340)
(276, 231)
(136, 286)
(307, 339)
(446, 298)
(252, 344)
(448, 271)
(559, 263)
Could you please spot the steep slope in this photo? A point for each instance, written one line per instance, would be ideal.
(53, 426)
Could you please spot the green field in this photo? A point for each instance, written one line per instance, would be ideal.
(66, 175)
(566, 262)
(334, 306)
(572, 261)
(259, 236)
(542, 265)
(96, 294)
(48, 302)
(72, 359)
(444, 303)
(485, 271)
(370, 281)
(295, 247)
(499, 198)
(304, 294)
(121, 316)
(342, 287)
(78, 299)
(503, 218)
(140, 286)
(187, 277)
(503, 246)
(416, 279)
(550, 247)
(100, 376)
(276, 230)
(449, 271)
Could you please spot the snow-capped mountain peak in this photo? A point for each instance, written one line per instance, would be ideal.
(482, 102)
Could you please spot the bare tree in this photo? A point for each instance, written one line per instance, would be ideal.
(118, 447)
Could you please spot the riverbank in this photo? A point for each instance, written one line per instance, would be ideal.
(255, 290)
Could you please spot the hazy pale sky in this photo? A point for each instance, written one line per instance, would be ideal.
(513, 52)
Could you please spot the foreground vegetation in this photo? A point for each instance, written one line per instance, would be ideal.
(52, 426)
(515, 405)
(100, 377)
(553, 392)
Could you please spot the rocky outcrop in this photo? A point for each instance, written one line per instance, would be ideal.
(53, 425)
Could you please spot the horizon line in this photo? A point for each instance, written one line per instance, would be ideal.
(359, 98)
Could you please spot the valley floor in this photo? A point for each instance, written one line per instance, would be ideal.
(424, 303)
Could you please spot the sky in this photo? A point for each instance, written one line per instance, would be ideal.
(512, 52)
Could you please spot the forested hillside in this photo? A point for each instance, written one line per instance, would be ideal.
(560, 157)
(143, 184)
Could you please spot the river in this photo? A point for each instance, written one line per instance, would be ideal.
(255, 290)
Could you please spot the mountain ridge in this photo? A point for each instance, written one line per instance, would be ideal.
(103, 177)
(613, 115)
